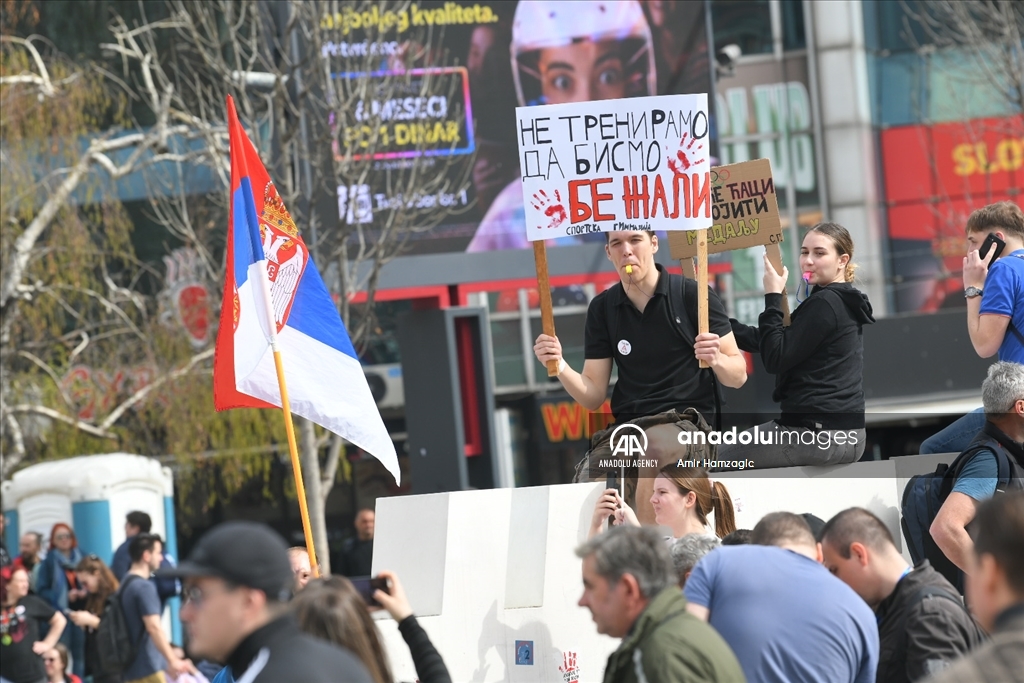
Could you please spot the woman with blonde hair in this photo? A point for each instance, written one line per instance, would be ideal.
(683, 498)
(99, 583)
(333, 610)
(817, 360)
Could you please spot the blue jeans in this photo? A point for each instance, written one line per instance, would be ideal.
(957, 436)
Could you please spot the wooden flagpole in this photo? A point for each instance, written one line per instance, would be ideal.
(289, 427)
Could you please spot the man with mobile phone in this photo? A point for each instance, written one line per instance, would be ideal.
(994, 281)
(994, 288)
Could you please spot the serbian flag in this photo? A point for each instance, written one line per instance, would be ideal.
(324, 379)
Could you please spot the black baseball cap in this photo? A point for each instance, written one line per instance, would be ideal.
(244, 553)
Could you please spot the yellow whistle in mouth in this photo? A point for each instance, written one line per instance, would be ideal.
(629, 270)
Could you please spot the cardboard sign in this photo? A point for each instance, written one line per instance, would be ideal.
(639, 163)
(745, 211)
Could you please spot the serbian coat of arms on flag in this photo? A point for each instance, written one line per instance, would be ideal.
(322, 371)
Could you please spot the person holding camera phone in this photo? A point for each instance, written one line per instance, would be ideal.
(682, 500)
(994, 288)
(238, 582)
(337, 609)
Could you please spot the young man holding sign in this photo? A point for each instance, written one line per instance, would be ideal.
(657, 353)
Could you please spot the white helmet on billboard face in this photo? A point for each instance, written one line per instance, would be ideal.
(540, 24)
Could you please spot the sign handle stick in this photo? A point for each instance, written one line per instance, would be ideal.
(775, 258)
(702, 285)
(547, 315)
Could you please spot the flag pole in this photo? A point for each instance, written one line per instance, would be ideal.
(289, 427)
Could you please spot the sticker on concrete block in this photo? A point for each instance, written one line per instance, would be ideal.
(524, 652)
(569, 669)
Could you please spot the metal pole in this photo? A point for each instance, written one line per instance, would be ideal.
(304, 147)
(812, 80)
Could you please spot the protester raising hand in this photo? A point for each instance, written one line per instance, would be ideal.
(773, 282)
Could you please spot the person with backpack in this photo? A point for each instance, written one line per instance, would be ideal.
(995, 587)
(994, 289)
(923, 625)
(100, 583)
(646, 325)
(818, 360)
(993, 463)
(141, 607)
(138, 522)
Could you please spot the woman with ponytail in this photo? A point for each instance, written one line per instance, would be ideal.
(683, 498)
(818, 360)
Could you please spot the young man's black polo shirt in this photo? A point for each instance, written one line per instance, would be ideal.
(657, 368)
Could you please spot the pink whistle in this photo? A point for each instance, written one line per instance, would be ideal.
(807, 277)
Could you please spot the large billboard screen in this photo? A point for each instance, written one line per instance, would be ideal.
(935, 175)
(475, 65)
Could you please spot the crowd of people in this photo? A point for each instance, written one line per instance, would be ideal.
(786, 604)
(794, 599)
(53, 607)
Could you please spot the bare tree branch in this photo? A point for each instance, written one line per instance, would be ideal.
(55, 415)
(145, 391)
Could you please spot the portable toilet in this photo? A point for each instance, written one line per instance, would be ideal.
(93, 493)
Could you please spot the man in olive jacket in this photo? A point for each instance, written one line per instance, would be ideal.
(629, 588)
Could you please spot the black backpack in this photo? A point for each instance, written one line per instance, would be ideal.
(925, 494)
(114, 643)
(686, 326)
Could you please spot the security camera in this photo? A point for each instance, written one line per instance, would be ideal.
(726, 60)
(728, 55)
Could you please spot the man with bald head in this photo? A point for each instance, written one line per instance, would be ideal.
(922, 624)
(824, 633)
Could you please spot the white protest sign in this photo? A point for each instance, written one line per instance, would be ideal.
(631, 164)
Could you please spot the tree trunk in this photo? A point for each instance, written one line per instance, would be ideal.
(310, 460)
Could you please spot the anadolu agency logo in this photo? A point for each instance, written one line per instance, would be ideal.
(629, 446)
(628, 441)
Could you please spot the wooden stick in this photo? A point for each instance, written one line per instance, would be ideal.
(775, 258)
(702, 285)
(547, 315)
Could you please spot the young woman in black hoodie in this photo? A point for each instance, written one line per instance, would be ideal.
(818, 360)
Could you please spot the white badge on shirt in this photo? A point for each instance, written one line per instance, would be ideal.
(624, 347)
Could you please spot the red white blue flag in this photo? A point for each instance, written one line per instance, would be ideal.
(323, 376)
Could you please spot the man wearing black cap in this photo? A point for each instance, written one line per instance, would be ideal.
(238, 581)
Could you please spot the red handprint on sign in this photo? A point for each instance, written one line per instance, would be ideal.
(552, 208)
(570, 671)
(685, 155)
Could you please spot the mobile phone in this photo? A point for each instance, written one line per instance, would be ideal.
(612, 483)
(366, 585)
(990, 241)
